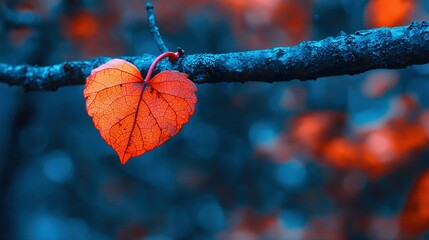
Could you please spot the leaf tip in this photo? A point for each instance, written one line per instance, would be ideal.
(124, 159)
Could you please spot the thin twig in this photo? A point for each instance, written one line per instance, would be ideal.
(154, 28)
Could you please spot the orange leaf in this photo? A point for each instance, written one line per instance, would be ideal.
(135, 116)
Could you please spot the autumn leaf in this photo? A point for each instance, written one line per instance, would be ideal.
(135, 116)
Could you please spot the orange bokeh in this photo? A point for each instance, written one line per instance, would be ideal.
(255, 23)
(83, 25)
(312, 130)
(389, 13)
(414, 218)
(375, 151)
(261, 24)
(249, 224)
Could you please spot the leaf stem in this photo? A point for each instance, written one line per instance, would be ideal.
(172, 56)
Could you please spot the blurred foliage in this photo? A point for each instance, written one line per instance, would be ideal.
(338, 158)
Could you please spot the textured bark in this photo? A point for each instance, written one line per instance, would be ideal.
(381, 48)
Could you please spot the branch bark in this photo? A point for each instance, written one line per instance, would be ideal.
(381, 48)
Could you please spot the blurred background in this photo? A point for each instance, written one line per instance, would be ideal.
(338, 158)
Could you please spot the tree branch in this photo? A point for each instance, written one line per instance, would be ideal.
(388, 48)
(154, 28)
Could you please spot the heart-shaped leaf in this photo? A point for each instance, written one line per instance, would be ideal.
(135, 116)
